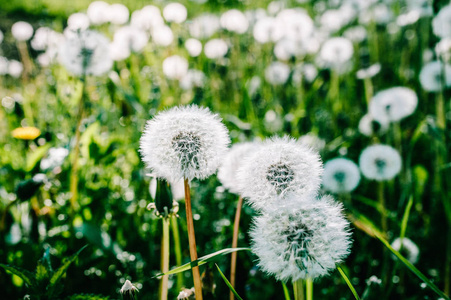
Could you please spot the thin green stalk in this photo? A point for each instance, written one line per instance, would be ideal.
(178, 251)
(381, 200)
(26, 60)
(298, 290)
(309, 289)
(74, 170)
(236, 230)
(165, 259)
(192, 242)
(286, 293)
(368, 85)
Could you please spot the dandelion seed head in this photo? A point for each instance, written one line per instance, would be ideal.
(22, 31)
(15, 68)
(78, 21)
(268, 29)
(131, 38)
(175, 12)
(278, 167)
(204, 26)
(85, 53)
(380, 162)
(175, 67)
(147, 18)
(431, 76)
(393, 104)
(441, 22)
(336, 52)
(305, 239)
(98, 12)
(194, 47)
(184, 142)
(162, 35)
(227, 172)
(277, 73)
(193, 79)
(369, 126)
(341, 175)
(235, 21)
(216, 48)
(408, 249)
(118, 14)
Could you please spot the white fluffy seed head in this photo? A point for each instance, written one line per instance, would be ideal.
(393, 104)
(184, 142)
(380, 162)
(305, 239)
(341, 175)
(278, 167)
(227, 172)
(431, 76)
(408, 249)
(85, 53)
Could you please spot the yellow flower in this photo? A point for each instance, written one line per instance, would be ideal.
(26, 133)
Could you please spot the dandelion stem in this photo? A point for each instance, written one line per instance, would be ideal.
(165, 259)
(298, 290)
(368, 85)
(192, 242)
(74, 171)
(177, 250)
(381, 200)
(309, 289)
(236, 229)
(26, 60)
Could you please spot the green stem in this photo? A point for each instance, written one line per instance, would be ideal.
(368, 85)
(165, 259)
(178, 251)
(309, 289)
(192, 242)
(236, 230)
(298, 290)
(26, 60)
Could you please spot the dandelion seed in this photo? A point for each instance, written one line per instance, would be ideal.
(380, 162)
(341, 175)
(305, 239)
(408, 249)
(227, 173)
(22, 31)
(278, 167)
(184, 142)
(128, 290)
(86, 53)
(393, 104)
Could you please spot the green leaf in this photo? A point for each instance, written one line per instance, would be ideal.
(348, 282)
(58, 274)
(411, 267)
(87, 297)
(35, 157)
(285, 291)
(27, 276)
(201, 261)
(228, 284)
(405, 217)
(42, 273)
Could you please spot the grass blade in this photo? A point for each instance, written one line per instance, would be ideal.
(411, 267)
(201, 261)
(285, 291)
(348, 282)
(228, 284)
(405, 218)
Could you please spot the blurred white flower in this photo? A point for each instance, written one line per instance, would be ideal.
(304, 72)
(393, 104)
(175, 12)
(340, 175)
(424, 7)
(287, 48)
(408, 18)
(268, 29)
(192, 79)
(3, 65)
(336, 52)
(380, 162)
(45, 38)
(277, 73)
(227, 172)
(408, 249)
(253, 15)
(369, 126)
(431, 76)
(77, 21)
(162, 35)
(278, 167)
(15, 68)
(55, 158)
(332, 20)
(118, 14)
(305, 239)
(356, 34)
(98, 12)
(184, 142)
(215, 48)
(132, 38)
(380, 14)
(175, 67)
(85, 53)
(297, 24)
(313, 141)
(22, 31)
(253, 85)
(194, 47)
(119, 51)
(204, 26)
(369, 72)
(188, 294)
(147, 18)
(235, 21)
(440, 23)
